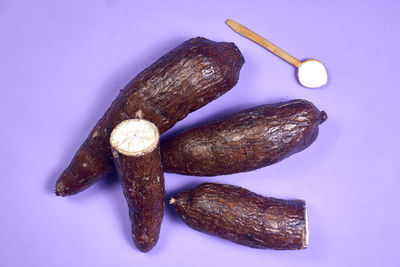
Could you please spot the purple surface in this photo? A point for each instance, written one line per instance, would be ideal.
(62, 64)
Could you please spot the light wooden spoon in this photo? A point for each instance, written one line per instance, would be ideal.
(311, 73)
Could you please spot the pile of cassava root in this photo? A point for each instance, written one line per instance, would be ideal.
(127, 138)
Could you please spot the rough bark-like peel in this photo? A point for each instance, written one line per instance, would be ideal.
(142, 180)
(244, 217)
(250, 139)
(185, 79)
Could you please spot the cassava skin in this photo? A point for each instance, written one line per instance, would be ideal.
(185, 79)
(248, 140)
(244, 217)
(142, 180)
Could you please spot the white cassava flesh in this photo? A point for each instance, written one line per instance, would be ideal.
(134, 137)
(307, 234)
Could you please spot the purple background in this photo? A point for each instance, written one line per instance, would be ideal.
(62, 64)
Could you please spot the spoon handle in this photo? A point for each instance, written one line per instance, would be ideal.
(239, 28)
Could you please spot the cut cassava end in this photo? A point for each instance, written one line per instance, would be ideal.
(136, 153)
(241, 216)
(134, 137)
(248, 140)
(307, 232)
(183, 80)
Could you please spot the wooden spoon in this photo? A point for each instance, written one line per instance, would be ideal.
(311, 73)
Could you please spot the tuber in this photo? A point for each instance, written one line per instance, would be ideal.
(185, 79)
(250, 139)
(244, 217)
(136, 153)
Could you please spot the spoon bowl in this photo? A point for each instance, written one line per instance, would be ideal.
(312, 73)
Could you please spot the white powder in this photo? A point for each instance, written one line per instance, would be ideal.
(312, 74)
(134, 137)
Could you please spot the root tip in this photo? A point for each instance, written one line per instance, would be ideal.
(58, 193)
(323, 117)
